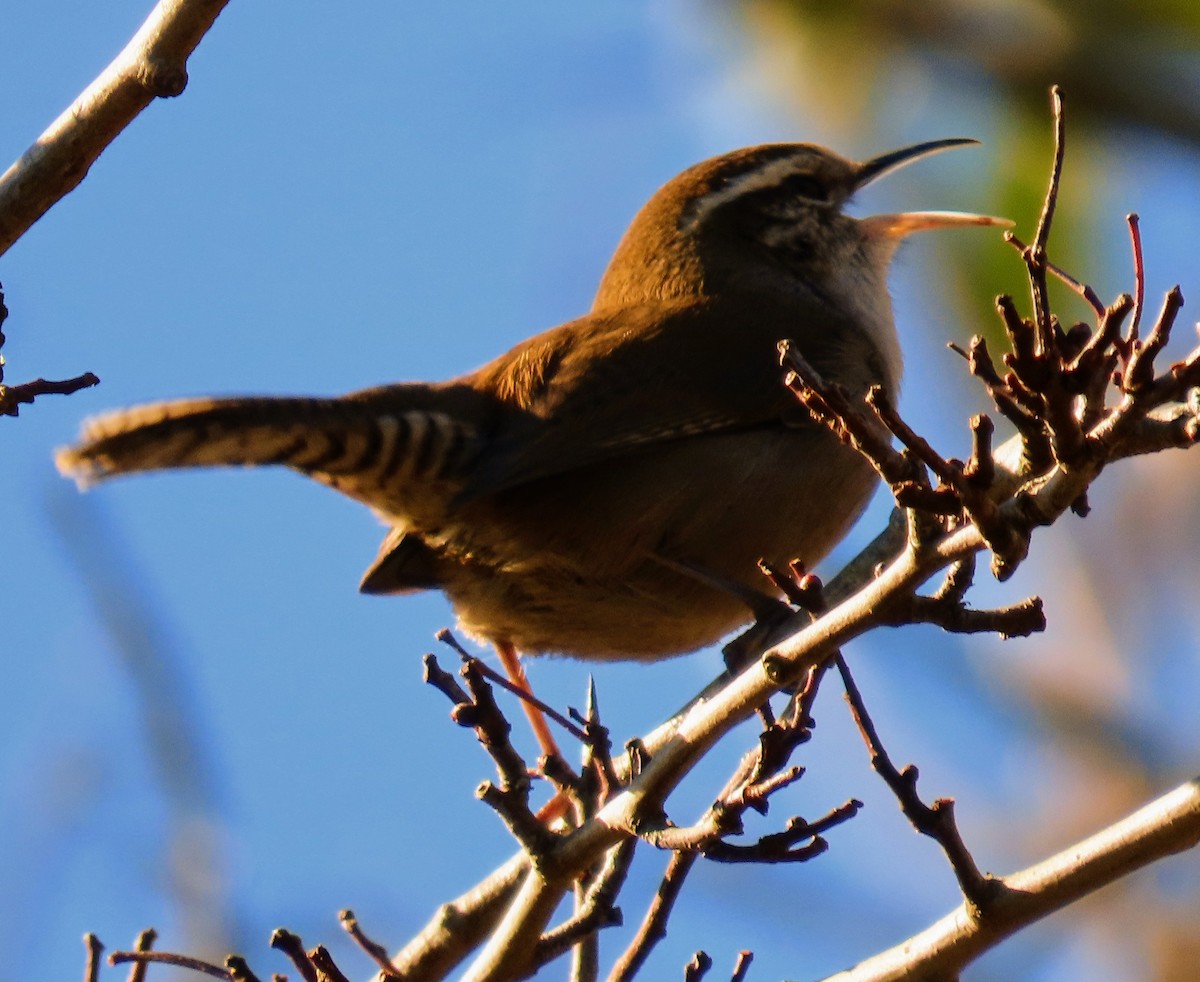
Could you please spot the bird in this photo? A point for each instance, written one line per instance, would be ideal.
(608, 488)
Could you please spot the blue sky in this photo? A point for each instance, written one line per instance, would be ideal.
(345, 199)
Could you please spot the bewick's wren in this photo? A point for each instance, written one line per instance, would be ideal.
(591, 490)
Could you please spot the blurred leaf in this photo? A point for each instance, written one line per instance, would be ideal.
(1123, 63)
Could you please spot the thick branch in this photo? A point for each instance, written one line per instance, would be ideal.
(1163, 828)
(458, 927)
(153, 64)
(510, 950)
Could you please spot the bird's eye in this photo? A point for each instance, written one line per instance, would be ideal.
(802, 186)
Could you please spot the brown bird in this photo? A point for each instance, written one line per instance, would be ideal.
(606, 489)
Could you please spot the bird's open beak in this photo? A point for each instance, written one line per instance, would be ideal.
(885, 163)
(899, 225)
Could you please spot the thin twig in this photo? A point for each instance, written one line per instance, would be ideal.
(513, 809)
(697, 968)
(1085, 292)
(1139, 273)
(1015, 621)
(145, 941)
(1139, 369)
(239, 969)
(936, 821)
(654, 926)
(597, 908)
(497, 678)
(375, 951)
(781, 847)
(327, 969)
(170, 958)
(13, 397)
(492, 730)
(95, 949)
(290, 944)
(1037, 254)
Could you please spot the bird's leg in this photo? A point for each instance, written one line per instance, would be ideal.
(769, 612)
(798, 587)
(516, 675)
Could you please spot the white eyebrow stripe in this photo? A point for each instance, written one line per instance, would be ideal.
(753, 180)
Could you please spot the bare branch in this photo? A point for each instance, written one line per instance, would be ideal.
(697, 968)
(1163, 828)
(170, 958)
(95, 949)
(654, 927)
(936, 821)
(513, 808)
(152, 65)
(742, 966)
(597, 908)
(327, 970)
(1139, 272)
(145, 941)
(290, 944)
(239, 969)
(458, 927)
(375, 951)
(12, 397)
(1015, 621)
(509, 952)
(526, 696)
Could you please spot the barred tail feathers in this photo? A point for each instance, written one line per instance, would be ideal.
(365, 449)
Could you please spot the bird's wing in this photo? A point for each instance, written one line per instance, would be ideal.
(610, 385)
